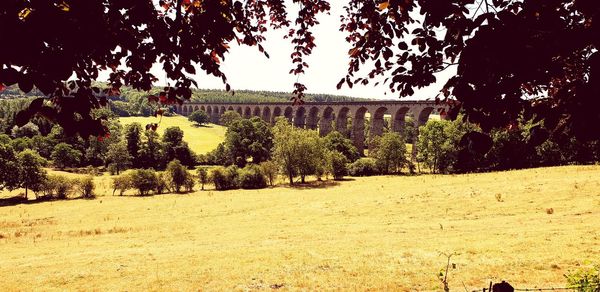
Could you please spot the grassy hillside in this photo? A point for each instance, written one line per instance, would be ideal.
(201, 139)
(380, 233)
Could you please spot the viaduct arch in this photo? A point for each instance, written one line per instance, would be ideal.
(346, 117)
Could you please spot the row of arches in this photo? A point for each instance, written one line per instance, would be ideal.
(348, 119)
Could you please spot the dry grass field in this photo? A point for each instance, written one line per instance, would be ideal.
(528, 227)
(201, 139)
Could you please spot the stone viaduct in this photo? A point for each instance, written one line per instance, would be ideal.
(325, 116)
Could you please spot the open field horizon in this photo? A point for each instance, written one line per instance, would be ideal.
(376, 233)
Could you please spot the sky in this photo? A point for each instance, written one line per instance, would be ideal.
(248, 69)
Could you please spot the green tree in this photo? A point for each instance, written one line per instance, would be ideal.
(151, 151)
(63, 155)
(312, 154)
(438, 145)
(118, 157)
(286, 148)
(219, 156)
(335, 141)
(31, 173)
(43, 145)
(172, 136)
(228, 117)
(246, 139)
(270, 169)
(199, 117)
(9, 168)
(175, 148)
(97, 149)
(177, 174)
(133, 138)
(391, 153)
(338, 165)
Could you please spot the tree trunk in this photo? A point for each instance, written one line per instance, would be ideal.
(303, 178)
(26, 197)
(291, 178)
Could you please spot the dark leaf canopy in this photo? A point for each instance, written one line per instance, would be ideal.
(515, 59)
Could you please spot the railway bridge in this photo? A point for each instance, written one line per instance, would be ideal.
(327, 116)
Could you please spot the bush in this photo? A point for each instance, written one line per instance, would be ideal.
(202, 176)
(363, 167)
(122, 183)
(188, 183)
(338, 165)
(57, 187)
(144, 180)
(585, 279)
(251, 177)
(161, 183)
(85, 187)
(224, 178)
(270, 170)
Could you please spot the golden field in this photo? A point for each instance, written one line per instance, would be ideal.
(201, 139)
(378, 233)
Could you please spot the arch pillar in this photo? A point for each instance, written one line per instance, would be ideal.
(214, 118)
(325, 123)
(358, 130)
(312, 121)
(300, 117)
(341, 121)
(276, 113)
(377, 122)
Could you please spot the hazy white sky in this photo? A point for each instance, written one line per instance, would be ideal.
(247, 68)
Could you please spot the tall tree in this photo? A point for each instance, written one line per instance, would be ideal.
(117, 157)
(175, 148)
(31, 174)
(391, 153)
(9, 167)
(438, 145)
(133, 139)
(285, 152)
(63, 155)
(151, 152)
(246, 139)
(335, 141)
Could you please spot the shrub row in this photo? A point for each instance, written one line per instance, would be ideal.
(232, 177)
(61, 187)
(145, 181)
